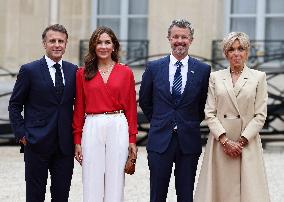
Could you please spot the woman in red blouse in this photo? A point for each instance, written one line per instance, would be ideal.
(105, 118)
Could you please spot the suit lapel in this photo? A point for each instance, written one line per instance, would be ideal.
(165, 78)
(46, 76)
(66, 73)
(241, 81)
(227, 80)
(191, 79)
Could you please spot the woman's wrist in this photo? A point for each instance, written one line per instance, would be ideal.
(223, 139)
(243, 141)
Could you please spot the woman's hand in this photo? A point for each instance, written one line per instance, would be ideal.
(78, 153)
(132, 150)
(231, 148)
(129, 167)
(243, 141)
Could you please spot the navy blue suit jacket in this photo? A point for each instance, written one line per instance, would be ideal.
(158, 105)
(44, 113)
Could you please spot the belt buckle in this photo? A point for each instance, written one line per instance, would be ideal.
(114, 112)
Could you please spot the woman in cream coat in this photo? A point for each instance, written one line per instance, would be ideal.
(233, 168)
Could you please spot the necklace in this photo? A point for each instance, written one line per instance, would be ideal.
(236, 72)
(108, 69)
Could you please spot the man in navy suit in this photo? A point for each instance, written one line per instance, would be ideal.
(172, 96)
(45, 88)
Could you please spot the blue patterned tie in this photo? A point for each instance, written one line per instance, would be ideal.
(59, 86)
(176, 90)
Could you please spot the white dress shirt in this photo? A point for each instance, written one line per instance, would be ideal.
(173, 68)
(52, 69)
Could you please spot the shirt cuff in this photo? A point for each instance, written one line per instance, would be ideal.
(132, 138)
(77, 139)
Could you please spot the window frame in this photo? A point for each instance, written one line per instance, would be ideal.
(123, 17)
(260, 17)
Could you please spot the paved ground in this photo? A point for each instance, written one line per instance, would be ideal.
(12, 186)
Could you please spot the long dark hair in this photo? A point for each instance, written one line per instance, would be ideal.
(90, 60)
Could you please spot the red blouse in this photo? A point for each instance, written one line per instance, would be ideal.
(96, 97)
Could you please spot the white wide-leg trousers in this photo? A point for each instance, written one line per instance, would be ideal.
(105, 143)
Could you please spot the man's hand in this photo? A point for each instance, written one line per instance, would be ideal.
(78, 153)
(23, 141)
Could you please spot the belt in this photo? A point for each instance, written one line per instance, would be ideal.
(108, 113)
(114, 112)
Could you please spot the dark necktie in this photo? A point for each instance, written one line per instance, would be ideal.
(176, 89)
(59, 86)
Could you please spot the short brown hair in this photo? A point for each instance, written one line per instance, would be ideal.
(181, 23)
(56, 28)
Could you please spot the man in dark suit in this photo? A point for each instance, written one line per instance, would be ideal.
(172, 96)
(45, 88)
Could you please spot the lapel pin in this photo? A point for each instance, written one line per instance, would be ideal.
(192, 72)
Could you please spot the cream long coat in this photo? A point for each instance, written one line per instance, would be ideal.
(238, 110)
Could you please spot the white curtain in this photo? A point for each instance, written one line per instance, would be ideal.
(243, 6)
(275, 6)
(108, 7)
(247, 25)
(274, 26)
(138, 7)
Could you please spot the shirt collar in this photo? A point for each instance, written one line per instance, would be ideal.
(184, 61)
(50, 62)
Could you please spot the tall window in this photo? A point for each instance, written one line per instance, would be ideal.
(127, 18)
(274, 19)
(260, 19)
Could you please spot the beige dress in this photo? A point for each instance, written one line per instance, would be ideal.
(238, 110)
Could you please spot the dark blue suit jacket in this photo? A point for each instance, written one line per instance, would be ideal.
(44, 113)
(158, 105)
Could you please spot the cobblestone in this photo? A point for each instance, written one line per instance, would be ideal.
(12, 183)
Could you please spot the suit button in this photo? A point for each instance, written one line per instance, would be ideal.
(239, 116)
(225, 116)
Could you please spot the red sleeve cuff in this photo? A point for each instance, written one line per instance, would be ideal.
(77, 139)
(132, 138)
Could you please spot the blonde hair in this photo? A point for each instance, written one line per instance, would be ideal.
(232, 37)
